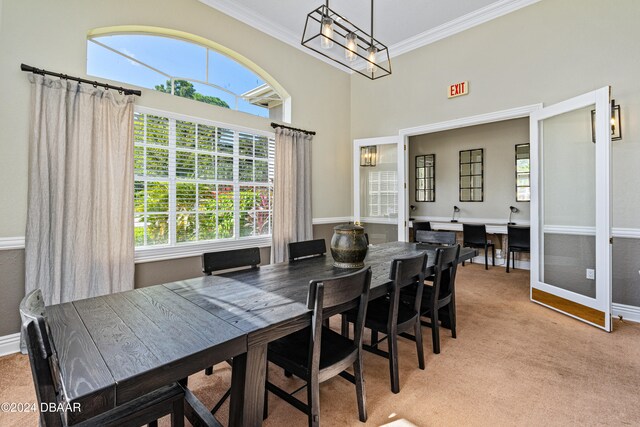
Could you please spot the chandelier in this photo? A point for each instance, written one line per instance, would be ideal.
(335, 37)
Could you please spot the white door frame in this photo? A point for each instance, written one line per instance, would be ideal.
(384, 140)
(496, 116)
(602, 302)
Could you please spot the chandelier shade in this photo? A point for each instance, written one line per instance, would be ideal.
(335, 37)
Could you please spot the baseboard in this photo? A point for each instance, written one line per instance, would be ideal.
(501, 262)
(9, 344)
(627, 312)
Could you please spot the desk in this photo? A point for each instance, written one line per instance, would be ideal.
(115, 348)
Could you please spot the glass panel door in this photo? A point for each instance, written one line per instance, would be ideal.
(378, 188)
(571, 224)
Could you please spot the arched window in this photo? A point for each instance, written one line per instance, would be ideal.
(185, 68)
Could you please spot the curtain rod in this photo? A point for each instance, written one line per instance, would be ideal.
(277, 125)
(29, 68)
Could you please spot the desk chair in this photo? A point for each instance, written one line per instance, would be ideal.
(519, 240)
(475, 236)
(316, 353)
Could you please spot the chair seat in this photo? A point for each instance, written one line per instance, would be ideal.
(519, 249)
(378, 314)
(292, 352)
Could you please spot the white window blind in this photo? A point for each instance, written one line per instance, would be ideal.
(200, 181)
(383, 194)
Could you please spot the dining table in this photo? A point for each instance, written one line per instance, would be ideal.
(114, 348)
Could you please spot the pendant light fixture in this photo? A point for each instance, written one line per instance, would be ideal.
(335, 37)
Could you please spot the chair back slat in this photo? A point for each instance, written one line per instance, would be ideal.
(339, 290)
(474, 234)
(420, 226)
(405, 272)
(226, 260)
(40, 358)
(307, 248)
(436, 237)
(519, 237)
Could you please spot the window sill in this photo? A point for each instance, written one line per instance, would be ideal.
(196, 249)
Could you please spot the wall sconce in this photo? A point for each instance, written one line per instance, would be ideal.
(512, 210)
(616, 124)
(455, 210)
(368, 155)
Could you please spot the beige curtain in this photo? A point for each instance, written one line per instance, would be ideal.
(79, 237)
(292, 221)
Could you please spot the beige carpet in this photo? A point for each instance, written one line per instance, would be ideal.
(514, 363)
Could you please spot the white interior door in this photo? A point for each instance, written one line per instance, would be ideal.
(571, 208)
(378, 190)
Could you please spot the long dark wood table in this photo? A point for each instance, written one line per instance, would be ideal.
(114, 348)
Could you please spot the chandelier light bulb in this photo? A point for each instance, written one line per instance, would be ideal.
(352, 47)
(327, 33)
(371, 67)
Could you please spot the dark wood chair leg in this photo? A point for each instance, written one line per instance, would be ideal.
(265, 412)
(287, 374)
(344, 329)
(154, 423)
(313, 399)
(486, 257)
(493, 255)
(392, 339)
(360, 394)
(177, 416)
(513, 260)
(374, 339)
(508, 258)
(452, 318)
(419, 347)
(209, 370)
(435, 332)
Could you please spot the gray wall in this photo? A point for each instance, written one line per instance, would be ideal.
(146, 274)
(498, 141)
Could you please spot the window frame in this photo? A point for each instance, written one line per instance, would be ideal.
(517, 173)
(427, 189)
(174, 250)
(471, 175)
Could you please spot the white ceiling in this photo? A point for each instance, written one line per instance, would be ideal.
(402, 25)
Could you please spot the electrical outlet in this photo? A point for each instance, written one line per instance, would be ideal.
(591, 274)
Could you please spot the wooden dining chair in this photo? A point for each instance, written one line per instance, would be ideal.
(143, 410)
(391, 315)
(226, 260)
(475, 236)
(32, 305)
(420, 226)
(317, 353)
(436, 237)
(519, 240)
(307, 249)
(440, 294)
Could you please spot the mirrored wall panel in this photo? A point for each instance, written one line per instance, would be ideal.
(426, 178)
(523, 177)
(472, 175)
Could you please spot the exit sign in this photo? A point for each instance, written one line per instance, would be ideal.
(458, 89)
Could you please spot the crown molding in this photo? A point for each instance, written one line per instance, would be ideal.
(252, 19)
(462, 23)
(458, 25)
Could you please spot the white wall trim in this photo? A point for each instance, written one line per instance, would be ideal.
(7, 243)
(332, 220)
(628, 312)
(495, 116)
(9, 344)
(462, 23)
(196, 249)
(630, 233)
